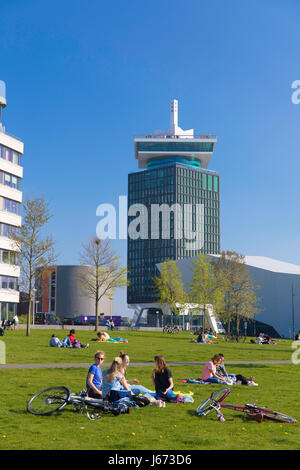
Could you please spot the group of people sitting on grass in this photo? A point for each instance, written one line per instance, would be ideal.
(111, 384)
(264, 339)
(203, 336)
(71, 342)
(68, 342)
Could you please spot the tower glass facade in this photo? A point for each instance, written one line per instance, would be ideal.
(173, 184)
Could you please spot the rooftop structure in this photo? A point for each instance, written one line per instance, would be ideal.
(195, 150)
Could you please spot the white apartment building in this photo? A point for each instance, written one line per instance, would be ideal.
(11, 173)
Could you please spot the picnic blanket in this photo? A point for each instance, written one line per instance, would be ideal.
(194, 381)
(230, 381)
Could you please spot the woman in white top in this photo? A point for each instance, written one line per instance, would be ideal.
(15, 322)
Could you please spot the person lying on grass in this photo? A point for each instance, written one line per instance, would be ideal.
(103, 336)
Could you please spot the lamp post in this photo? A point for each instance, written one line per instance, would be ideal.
(33, 292)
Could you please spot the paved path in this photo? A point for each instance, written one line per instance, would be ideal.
(132, 364)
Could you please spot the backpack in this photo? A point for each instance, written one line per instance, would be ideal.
(1, 332)
(140, 400)
(76, 343)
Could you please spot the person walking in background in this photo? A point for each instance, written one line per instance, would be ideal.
(16, 321)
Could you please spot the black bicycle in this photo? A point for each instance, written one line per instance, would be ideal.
(53, 399)
(171, 329)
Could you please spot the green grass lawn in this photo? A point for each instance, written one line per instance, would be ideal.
(176, 427)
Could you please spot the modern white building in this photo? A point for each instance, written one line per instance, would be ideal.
(278, 290)
(11, 173)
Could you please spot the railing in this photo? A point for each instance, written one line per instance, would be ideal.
(184, 136)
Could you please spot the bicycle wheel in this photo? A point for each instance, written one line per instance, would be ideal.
(220, 395)
(272, 415)
(48, 401)
(212, 403)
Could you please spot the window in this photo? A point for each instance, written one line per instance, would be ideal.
(9, 180)
(7, 230)
(8, 282)
(8, 257)
(10, 206)
(209, 182)
(15, 158)
(9, 155)
(216, 183)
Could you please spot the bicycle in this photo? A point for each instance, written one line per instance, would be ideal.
(214, 403)
(171, 329)
(53, 399)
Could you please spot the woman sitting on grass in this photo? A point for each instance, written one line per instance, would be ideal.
(135, 386)
(114, 384)
(210, 373)
(162, 380)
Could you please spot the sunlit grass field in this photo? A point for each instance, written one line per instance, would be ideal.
(176, 427)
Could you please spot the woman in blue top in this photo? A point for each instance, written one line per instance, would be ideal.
(94, 376)
(114, 384)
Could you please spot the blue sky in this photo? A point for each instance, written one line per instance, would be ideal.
(83, 77)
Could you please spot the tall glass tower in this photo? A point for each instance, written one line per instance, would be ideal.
(173, 205)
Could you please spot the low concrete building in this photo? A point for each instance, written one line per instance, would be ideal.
(59, 292)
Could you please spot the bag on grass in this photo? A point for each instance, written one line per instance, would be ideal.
(76, 343)
(178, 399)
(140, 400)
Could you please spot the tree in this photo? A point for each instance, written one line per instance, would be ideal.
(169, 287)
(35, 250)
(205, 287)
(102, 273)
(239, 299)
